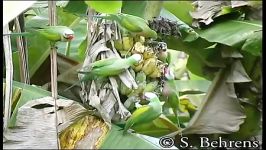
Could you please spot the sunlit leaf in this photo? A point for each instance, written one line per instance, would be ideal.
(180, 9)
(105, 6)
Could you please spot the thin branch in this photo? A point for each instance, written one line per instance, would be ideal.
(9, 75)
(24, 70)
(53, 56)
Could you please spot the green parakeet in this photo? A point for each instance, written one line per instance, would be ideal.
(133, 24)
(112, 66)
(170, 93)
(57, 33)
(145, 113)
(51, 33)
(108, 67)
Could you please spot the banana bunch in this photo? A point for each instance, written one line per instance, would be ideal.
(134, 98)
(141, 81)
(143, 86)
(150, 65)
(140, 78)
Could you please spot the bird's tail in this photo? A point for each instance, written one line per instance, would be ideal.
(76, 83)
(17, 34)
(29, 32)
(88, 77)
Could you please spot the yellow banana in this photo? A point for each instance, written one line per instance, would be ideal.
(138, 48)
(127, 43)
(140, 39)
(149, 66)
(191, 107)
(138, 67)
(118, 45)
(124, 44)
(148, 54)
(156, 73)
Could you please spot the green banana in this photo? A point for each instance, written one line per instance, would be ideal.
(150, 87)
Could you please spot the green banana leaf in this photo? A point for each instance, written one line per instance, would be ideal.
(157, 128)
(105, 6)
(246, 35)
(180, 9)
(192, 85)
(143, 9)
(116, 140)
(78, 8)
(38, 54)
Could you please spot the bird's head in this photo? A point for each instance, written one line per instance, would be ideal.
(137, 57)
(152, 97)
(68, 34)
(149, 95)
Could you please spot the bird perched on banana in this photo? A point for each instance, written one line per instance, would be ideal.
(145, 113)
(112, 66)
(108, 67)
(152, 67)
(136, 26)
